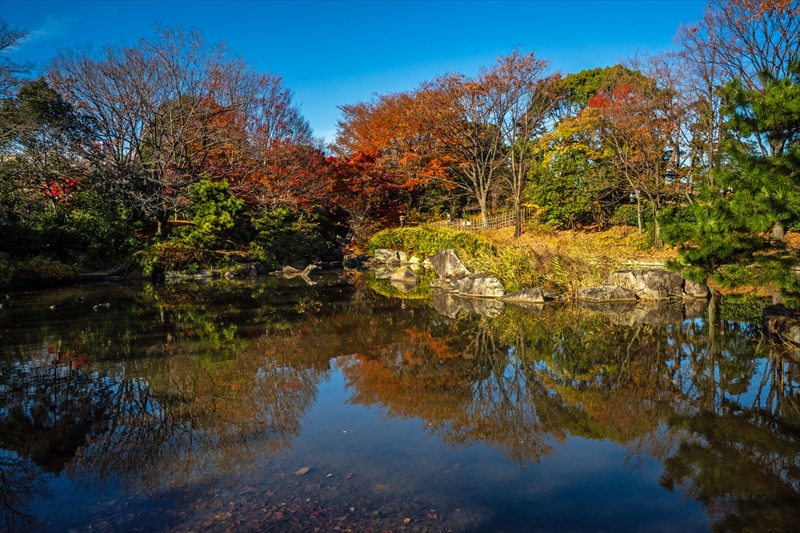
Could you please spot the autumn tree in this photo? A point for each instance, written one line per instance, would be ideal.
(530, 97)
(142, 100)
(638, 119)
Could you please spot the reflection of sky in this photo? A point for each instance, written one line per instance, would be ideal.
(335, 53)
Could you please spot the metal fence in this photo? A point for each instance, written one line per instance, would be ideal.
(501, 220)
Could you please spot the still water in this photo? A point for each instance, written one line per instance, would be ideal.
(280, 406)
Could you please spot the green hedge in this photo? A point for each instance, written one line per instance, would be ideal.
(424, 241)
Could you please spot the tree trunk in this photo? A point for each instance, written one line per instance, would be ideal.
(484, 212)
(517, 219)
(639, 211)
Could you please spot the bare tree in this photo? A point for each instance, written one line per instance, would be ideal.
(527, 98)
(146, 102)
(10, 71)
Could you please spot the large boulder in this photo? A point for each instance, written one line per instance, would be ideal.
(404, 275)
(447, 265)
(445, 284)
(693, 289)
(532, 295)
(480, 285)
(386, 256)
(607, 293)
(383, 272)
(649, 284)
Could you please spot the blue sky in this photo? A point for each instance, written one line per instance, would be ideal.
(334, 53)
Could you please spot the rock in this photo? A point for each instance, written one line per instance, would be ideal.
(445, 284)
(414, 260)
(480, 285)
(607, 293)
(649, 284)
(350, 262)
(532, 295)
(450, 304)
(427, 264)
(448, 265)
(693, 289)
(311, 269)
(404, 275)
(383, 272)
(230, 274)
(386, 256)
(252, 270)
(781, 323)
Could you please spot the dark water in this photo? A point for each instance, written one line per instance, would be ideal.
(197, 408)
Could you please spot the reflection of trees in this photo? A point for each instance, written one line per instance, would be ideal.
(468, 386)
(20, 483)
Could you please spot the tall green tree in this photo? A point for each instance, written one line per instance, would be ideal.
(735, 231)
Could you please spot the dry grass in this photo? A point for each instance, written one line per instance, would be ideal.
(618, 243)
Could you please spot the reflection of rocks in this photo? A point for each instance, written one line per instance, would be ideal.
(450, 304)
(448, 265)
(781, 323)
(404, 275)
(607, 293)
(647, 313)
(246, 270)
(403, 286)
(480, 285)
(695, 308)
(607, 308)
(531, 308)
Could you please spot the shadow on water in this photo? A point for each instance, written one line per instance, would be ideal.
(191, 406)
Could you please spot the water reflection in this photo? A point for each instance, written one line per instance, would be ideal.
(178, 389)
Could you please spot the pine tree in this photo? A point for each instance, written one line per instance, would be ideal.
(734, 230)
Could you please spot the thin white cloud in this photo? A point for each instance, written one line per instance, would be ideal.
(54, 26)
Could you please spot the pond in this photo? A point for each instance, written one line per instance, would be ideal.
(282, 406)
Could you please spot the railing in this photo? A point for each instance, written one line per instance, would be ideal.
(501, 220)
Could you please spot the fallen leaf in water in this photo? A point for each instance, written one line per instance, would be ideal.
(381, 486)
(329, 475)
(302, 471)
(406, 520)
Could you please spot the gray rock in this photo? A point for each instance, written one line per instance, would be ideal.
(781, 323)
(532, 295)
(445, 284)
(383, 272)
(650, 284)
(450, 304)
(404, 275)
(427, 264)
(692, 289)
(386, 256)
(288, 269)
(350, 262)
(480, 285)
(448, 265)
(607, 293)
(414, 260)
